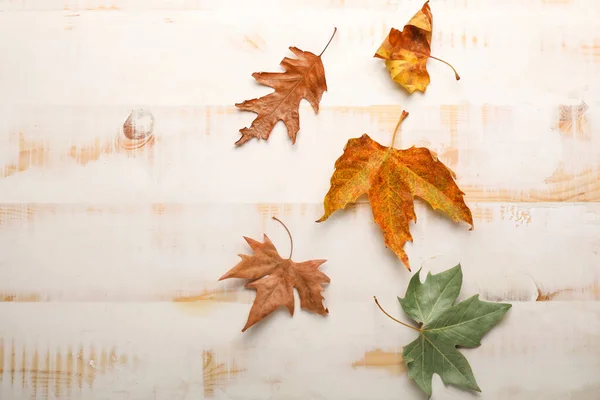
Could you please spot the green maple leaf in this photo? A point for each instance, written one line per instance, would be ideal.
(444, 326)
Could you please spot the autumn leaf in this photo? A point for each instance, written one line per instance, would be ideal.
(274, 279)
(444, 326)
(392, 178)
(406, 52)
(304, 78)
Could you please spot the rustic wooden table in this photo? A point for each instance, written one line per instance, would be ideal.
(111, 247)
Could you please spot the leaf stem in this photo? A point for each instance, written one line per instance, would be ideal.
(402, 118)
(289, 234)
(398, 321)
(330, 39)
(448, 64)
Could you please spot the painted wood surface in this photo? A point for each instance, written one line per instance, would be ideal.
(111, 248)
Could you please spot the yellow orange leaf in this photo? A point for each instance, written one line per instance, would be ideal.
(392, 178)
(406, 52)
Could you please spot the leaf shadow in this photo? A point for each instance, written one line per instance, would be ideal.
(256, 330)
(439, 214)
(235, 284)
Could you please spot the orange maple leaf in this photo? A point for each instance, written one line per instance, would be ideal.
(304, 78)
(406, 52)
(274, 279)
(392, 178)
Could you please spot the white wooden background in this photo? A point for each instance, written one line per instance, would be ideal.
(109, 259)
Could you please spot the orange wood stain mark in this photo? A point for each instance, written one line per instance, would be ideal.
(46, 386)
(559, 175)
(35, 366)
(166, 208)
(31, 154)
(216, 374)
(23, 366)
(43, 374)
(583, 188)
(590, 292)
(572, 121)
(390, 361)
(211, 295)
(19, 212)
(10, 213)
(451, 117)
(592, 50)
(482, 214)
(38, 154)
(92, 364)
(92, 152)
(21, 297)
(199, 304)
(103, 361)
(217, 295)
(80, 367)
(58, 367)
(69, 369)
(268, 210)
(516, 214)
(584, 184)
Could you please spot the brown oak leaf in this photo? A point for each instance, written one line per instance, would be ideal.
(392, 178)
(304, 78)
(406, 52)
(274, 279)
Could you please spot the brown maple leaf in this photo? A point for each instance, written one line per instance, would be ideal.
(304, 78)
(406, 52)
(274, 279)
(392, 178)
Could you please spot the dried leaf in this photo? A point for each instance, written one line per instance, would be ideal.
(274, 279)
(444, 326)
(392, 178)
(406, 52)
(304, 78)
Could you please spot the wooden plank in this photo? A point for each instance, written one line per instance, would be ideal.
(500, 154)
(177, 252)
(156, 57)
(122, 350)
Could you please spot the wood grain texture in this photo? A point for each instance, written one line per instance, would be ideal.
(110, 251)
(502, 154)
